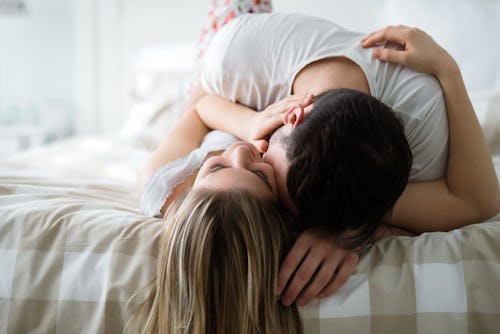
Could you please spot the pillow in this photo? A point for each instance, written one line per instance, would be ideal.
(159, 76)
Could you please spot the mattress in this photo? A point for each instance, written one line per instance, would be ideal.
(74, 247)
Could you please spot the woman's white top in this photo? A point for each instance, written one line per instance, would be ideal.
(164, 181)
(253, 60)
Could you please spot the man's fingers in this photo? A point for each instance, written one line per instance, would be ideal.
(321, 280)
(300, 278)
(345, 270)
(291, 262)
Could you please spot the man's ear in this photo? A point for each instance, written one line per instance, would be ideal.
(294, 116)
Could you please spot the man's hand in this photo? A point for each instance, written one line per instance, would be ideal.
(316, 266)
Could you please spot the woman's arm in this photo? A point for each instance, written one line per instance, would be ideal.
(212, 112)
(248, 124)
(185, 136)
(470, 192)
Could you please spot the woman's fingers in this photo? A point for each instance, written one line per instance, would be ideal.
(271, 118)
(420, 52)
(390, 33)
(292, 101)
(270, 125)
(390, 55)
(260, 144)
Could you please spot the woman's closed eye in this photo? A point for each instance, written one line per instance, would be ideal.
(263, 176)
(259, 173)
(216, 166)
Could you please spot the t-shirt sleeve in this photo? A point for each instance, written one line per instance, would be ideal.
(427, 132)
(167, 177)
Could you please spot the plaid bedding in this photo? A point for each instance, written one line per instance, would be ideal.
(74, 247)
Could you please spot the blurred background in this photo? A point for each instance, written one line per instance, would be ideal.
(112, 67)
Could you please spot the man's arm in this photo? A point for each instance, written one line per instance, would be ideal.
(470, 192)
(318, 263)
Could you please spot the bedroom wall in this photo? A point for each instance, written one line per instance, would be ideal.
(36, 58)
(107, 34)
(181, 21)
(78, 52)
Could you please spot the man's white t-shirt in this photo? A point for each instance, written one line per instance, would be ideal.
(253, 60)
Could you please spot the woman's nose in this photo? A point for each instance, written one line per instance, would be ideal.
(244, 155)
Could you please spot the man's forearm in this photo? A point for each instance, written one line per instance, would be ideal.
(382, 231)
(385, 230)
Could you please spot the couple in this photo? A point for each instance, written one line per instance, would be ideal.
(354, 136)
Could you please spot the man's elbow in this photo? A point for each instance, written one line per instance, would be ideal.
(495, 207)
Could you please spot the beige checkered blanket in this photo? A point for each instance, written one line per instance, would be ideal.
(74, 247)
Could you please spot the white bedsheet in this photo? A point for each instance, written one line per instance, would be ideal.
(74, 247)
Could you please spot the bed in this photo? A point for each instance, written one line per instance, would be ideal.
(74, 246)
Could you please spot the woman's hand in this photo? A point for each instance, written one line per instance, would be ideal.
(316, 266)
(264, 123)
(419, 51)
(218, 113)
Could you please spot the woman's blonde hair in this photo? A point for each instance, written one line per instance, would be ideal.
(217, 269)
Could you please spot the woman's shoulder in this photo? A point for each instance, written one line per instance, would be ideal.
(177, 175)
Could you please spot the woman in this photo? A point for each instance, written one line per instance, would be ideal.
(218, 267)
(175, 166)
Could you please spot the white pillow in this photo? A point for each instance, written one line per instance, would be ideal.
(159, 76)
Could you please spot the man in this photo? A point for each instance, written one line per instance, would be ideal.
(247, 69)
(319, 57)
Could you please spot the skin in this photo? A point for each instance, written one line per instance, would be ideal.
(469, 193)
(240, 164)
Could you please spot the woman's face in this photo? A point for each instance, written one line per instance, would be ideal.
(239, 166)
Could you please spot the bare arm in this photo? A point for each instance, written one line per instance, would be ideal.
(185, 136)
(248, 124)
(318, 263)
(212, 112)
(470, 192)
